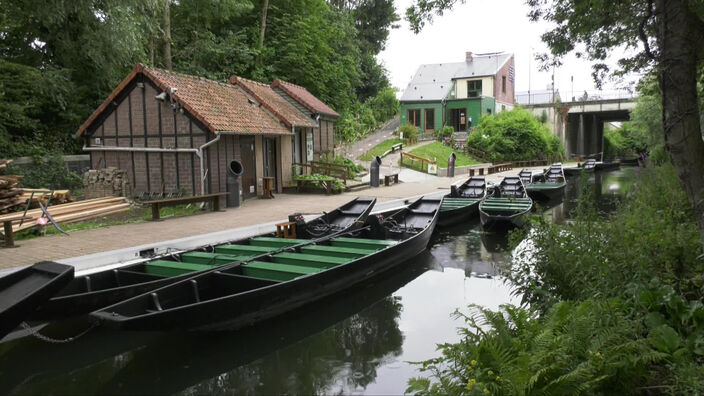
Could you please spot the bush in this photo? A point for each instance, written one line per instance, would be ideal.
(445, 132)
(48, 171)
(337, 184)
(363, 118)
(610, 306)
(340, 160)
(410, 133)
(515, 136)
(384, 105)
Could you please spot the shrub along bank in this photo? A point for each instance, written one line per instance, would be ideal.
(610, 306)
(515, 135)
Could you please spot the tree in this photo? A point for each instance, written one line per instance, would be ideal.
(667, 35)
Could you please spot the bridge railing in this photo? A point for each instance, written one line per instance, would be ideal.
(525, 98)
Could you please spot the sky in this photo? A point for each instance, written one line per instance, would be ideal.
(483, 26)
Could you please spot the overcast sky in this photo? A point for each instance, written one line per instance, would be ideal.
(483, 26)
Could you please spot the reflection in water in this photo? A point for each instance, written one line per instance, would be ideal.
(358, 342)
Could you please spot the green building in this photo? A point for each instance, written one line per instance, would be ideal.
(459, 94)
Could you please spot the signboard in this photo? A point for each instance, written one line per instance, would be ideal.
(309, 146)
(433, 169)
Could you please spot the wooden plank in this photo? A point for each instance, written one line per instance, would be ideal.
(275, 271)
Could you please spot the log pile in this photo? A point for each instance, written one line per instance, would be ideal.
(108, 182)
(10, 193)
(72, 212)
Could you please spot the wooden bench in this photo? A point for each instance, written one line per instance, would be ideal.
(158, 204)
(389, 178)
(7, 228)
(396, 147)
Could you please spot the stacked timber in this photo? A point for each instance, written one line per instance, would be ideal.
(42, 195)
(10, 193)
(72, 212)
(108, 182)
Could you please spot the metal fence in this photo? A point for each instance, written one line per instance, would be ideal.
(542, 97)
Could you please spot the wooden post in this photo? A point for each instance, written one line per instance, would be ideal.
(9, 236)
(155, 211)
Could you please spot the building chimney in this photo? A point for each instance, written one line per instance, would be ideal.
(468, 56)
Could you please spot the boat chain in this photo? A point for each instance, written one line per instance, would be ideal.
(51, 340)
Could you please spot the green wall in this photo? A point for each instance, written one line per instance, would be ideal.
(405, 106)
(473, 107)
(488, 103)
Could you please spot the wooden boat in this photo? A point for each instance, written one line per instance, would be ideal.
(246, 293)
(588, 166)
(462, 202)
(526, 176)
(22, 291)
(508, 205)
(90, 292)
(548, 185)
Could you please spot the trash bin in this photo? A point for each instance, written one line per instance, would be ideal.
(234, 173)
(374, 172)
(451, 165)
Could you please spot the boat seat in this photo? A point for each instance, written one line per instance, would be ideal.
(276, 242)
(336, 251)
(276, 271)
(361, 243)
(310, 260)
(473, 192)
(172, 268)
(243, 250)
(209, 258)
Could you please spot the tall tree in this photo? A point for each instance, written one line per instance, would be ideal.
(665, 34)
(166, 27)
(262, 31)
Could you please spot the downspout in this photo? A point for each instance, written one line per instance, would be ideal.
(199, 153)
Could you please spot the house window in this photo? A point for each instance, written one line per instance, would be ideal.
(414, 117)
(503, 84)
(474, 88)
(429, 119)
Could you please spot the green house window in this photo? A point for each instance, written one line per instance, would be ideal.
(414, 117)
(429, 119)
(474, 88)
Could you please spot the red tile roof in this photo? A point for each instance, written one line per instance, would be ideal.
(220, 107)
(302, 96)
(273, 102)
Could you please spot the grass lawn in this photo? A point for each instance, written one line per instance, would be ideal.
(379, 149)
(442, 153)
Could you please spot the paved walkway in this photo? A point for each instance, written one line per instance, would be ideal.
(252, 212)
(358, 148)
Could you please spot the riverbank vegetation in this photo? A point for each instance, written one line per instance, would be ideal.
(514, 135)
(610, 306)
(61, 59)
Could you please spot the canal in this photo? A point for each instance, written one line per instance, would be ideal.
(361, 342)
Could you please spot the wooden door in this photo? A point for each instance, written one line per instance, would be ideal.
(249, 173)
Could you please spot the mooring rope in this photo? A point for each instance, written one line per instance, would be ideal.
(37, 334)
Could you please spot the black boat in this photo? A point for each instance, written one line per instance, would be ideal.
(462, 202)
(526, 176)
(22, 291)
(94, 291)
(246, 293)
(508, 205)
(588, 166)
(547, 185)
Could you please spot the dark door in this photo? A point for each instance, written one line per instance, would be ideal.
(270, 159)
(458, 119)
(249, 174)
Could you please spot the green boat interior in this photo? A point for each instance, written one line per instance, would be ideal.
(505, 206)
(456, 203)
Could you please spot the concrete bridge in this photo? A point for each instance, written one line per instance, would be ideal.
(580, 124)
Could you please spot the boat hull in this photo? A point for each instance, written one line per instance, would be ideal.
(546, 193)
(73, 304)
(448, 218)
(491, 220)
(247, 308)
(22, 291)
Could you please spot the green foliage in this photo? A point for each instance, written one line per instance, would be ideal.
(384, 105)
(379, 149)
(321, 181)
(340, 160)
(48, 171)
(514, 136)
(441, 152)
(410, 133)
(446, 131)
(363, 118)
(611, 306)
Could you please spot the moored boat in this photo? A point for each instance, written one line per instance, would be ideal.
(508, 205)
(245, 293)
(548, 185)
(588, 166)
(22, 291)
(90, 292)
(462, 202)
